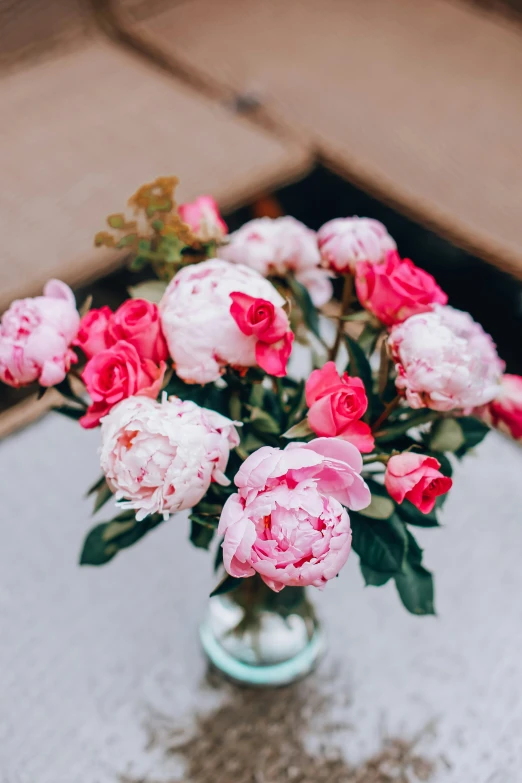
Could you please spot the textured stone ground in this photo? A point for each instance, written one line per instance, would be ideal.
(102, 680)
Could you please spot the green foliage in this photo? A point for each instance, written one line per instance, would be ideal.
(415, 583)
(359, 366)
(446, 435)
(305, 304)
(474, 433)
(227, 584)
(105, 540)
(380, 544)
(412, 516)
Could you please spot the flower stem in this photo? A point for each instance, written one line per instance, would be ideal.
(386, 412)
(345, 308)
(368, 459)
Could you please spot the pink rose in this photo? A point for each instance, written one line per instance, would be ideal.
(336, 404)
(505, 411)
(137, 321)
(202, 335)
(397, 289)
(270, 325)
(162, 457)
(445, 361)
(92, 335)
(203, 218)
(345, 242)
(276, 246)
(116, 373)
(36, 335)
(287, 520)
(416, 478)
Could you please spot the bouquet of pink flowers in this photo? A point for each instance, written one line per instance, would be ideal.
(293, 427)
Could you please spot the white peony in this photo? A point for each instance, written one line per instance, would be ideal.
(160, 457)
(343, 242)
(445, 360)
(201, 334)
(280, 245)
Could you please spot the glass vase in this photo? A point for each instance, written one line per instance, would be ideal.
(257, 637)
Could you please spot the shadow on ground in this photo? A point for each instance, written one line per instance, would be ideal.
(259, 737)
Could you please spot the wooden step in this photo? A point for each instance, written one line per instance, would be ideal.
(420, 103)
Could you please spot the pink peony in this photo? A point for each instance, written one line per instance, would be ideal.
(270, 326)
(277, 246)
(505, 411)
(137, 321)
(445, 361)
(116, 373)
(161, 457)
(93, 336)
(336, 405)
(287, 520)
(202, 334)
(397, 289)
(416, 478)
(344, 242)
(36, 335)
(204, 219)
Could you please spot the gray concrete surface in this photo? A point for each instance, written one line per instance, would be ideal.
(100, 669)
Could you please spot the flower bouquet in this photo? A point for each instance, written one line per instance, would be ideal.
(292, 427)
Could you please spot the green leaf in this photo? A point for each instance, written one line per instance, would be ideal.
(71, 413)
(416, 590)
(474, 433)
(380, 508)
(66, 391)
(116, 221)
(446, 435)
(103, 494)
(380, 544)
(412, 516)
(415, 583)
(127, 241)
(374, 578)
(381, 505)
(106, 539)
(263, 423)
(151, 290)
(201, 533)
(300, 430)
(95, 487)
(218, 560)
(227, 584)
(392, 431)
(359, 366)
(307, 307)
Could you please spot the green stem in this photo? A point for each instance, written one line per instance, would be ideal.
(368, 459)
(386, 412)
(345, 308)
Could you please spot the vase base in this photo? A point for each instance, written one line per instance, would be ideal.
(270, 675)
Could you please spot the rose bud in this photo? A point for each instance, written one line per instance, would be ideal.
(203, 218)
(505, 411)
(416, 478)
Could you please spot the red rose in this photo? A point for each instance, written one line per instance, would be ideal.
(335, 406)
(137, 321)
(416, 478)
(92, 336)
(397, 289)
(116, 373)
(269, 324)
